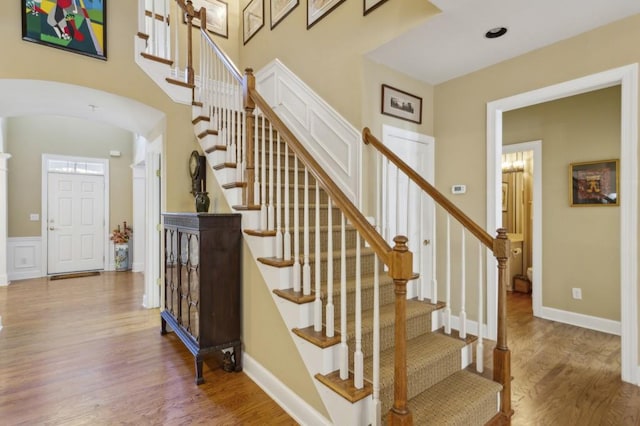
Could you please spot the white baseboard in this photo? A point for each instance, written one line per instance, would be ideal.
(581, 320)
(295, 406)
(24, 258)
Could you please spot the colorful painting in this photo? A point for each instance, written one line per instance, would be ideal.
(75, 25)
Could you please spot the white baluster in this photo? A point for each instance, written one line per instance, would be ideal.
(344, 348)
(358, 357)
(480, 344)
(270, 208)
(263, 178)
(306, 268)
(434, 262)
(297, 273)
(286, 240)
(330, 326)
(317, 308)
(447, 309)
(279, 247)
(256, 159)
(377, 405)
(463, 289)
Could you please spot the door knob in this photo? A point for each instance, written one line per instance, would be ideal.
(51, 228)
(426, 242)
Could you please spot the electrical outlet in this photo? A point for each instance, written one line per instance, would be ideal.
(577, 293)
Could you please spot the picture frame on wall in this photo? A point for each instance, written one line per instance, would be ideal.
(80, 28)
(280, 9)
(318, 9)
(252, 19)
(217, 16)
(371, 5)
(594, 183)
(400, 104)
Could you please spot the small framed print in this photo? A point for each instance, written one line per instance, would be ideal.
(400, 104)
(217, 20)
(280, 9)
(318, 9)
(252, 19)
(594, 183)
(371, 5)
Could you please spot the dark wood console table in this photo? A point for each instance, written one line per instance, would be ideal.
(202, 285)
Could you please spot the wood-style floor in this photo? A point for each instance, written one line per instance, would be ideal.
(83, 351)
(565, 375)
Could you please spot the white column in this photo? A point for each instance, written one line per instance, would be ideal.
(139, 217)
(4, 202)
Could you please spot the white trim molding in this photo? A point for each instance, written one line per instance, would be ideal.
(295, 406)
(4, 218)
(24, 258)
(585, 321)
(627, 77)
(334, 142)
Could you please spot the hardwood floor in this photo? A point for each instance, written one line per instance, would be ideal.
(83, 351)
(565, 375)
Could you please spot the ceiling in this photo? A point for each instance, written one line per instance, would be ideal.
(452, 43)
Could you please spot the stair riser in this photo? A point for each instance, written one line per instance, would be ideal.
(366, 267)
(415, 326)
(350, 239)
(335, 216)
(387, 295)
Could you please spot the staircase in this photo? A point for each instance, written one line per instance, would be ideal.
(390, 358)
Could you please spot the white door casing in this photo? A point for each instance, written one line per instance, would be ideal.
(75, 217)
(405, 210)
(627, 77)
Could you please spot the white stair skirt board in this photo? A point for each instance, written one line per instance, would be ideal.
(295, 406)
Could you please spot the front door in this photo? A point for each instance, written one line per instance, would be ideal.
(75, 223)
(408, 211)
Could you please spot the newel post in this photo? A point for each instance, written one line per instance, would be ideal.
(249, 83)
(501, 353)
(401, 270)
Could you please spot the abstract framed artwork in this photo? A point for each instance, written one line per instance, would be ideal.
(594, 183)
(318, 9)
(74, 25)
(280, 9)
(217, 20)
(252, 19)
(400, 104)
(371, 5)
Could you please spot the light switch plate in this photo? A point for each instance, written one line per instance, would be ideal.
(459, 189)
(34, 217)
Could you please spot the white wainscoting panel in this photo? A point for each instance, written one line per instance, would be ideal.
(333, 141)
(24, 259)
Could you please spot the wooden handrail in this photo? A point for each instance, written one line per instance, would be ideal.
(482, 235)
(351, 212)
(228, 63)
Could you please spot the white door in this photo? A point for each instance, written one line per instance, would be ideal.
(406, 209)
(75, 219)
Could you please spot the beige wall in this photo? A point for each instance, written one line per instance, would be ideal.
(30, 137)
(460, 107)
(580, 244)
(118, 74)
(328, 57)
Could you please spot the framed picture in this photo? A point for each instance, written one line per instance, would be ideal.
(505, 196)
(217, 21)
(594, 183)
(280, 9)
(399, 104)
(80, 27)
(371, 5)
(318, 9)
(252, 19)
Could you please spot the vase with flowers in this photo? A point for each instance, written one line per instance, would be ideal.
(120, 238)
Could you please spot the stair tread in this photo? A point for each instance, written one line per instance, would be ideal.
(460, 399)
(422, 351)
